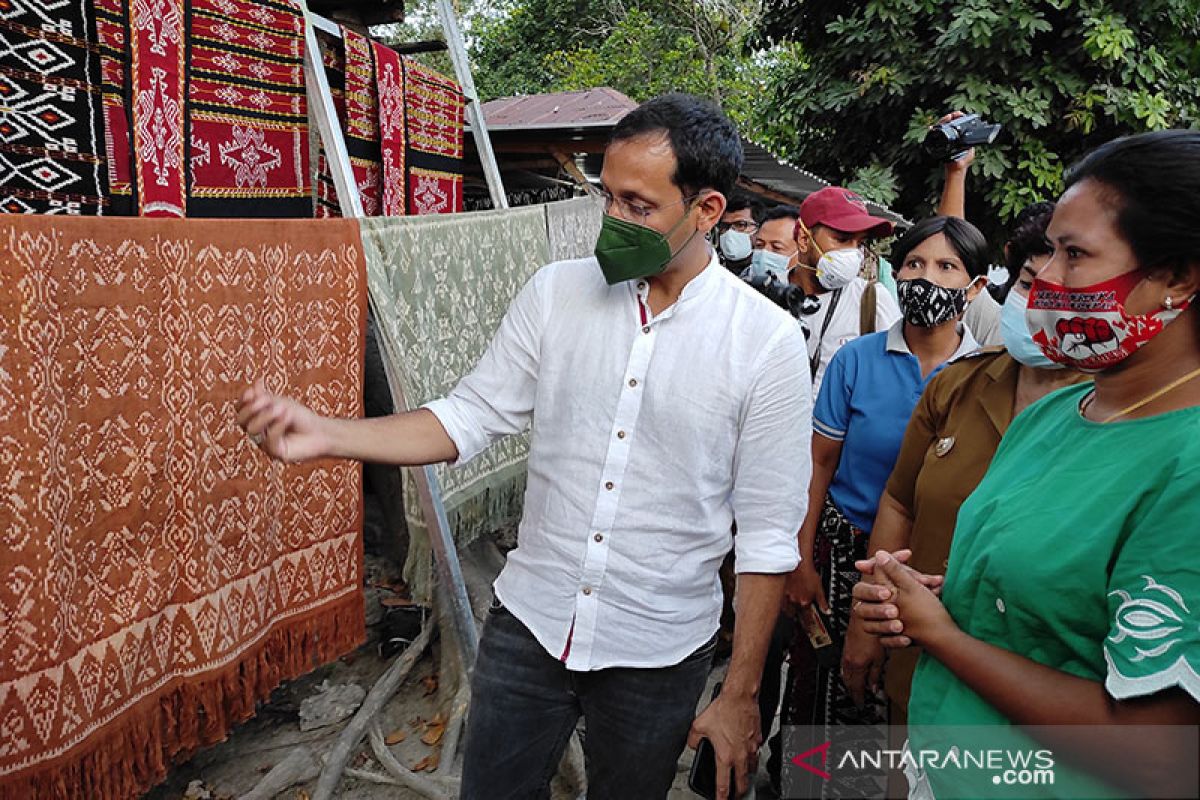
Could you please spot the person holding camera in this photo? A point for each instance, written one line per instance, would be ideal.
(983, 316)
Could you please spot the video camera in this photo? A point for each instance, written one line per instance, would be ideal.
(785, 295)
(949, 140)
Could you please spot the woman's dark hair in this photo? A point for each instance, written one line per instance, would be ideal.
(1028, 238)
(964, 237)
(1153, 183)
(707, 148)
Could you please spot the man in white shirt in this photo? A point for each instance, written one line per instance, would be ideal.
(667, 400)
(822, 242)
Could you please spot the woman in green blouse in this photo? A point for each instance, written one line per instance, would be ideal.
(1072, 592)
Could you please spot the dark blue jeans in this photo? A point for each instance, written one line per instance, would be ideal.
(525, 704)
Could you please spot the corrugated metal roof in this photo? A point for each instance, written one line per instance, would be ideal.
(763, 167)
(589, 108)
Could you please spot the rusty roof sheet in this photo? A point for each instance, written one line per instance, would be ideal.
(587, 108)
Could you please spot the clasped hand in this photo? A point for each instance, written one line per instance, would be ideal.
(897, 603)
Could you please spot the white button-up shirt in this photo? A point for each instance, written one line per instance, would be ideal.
(651, 435)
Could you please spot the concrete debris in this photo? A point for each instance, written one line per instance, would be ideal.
(331, 705)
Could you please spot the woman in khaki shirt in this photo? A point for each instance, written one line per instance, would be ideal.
(950, 440)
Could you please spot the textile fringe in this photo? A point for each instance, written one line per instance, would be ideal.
(495, 507)
(132, 754)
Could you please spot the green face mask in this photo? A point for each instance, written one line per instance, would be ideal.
(627, 250)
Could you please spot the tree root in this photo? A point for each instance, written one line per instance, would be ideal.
(380, 694)
(454, 728)
(371, 776)
(300, 765)
(434, 787)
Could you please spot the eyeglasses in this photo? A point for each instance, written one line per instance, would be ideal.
(741, 226)
(631, 211)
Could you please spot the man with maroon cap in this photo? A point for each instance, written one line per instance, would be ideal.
(834, 225)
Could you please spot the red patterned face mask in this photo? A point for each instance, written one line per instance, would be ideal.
(1088, 328)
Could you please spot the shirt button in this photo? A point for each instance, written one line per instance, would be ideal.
(632, 382)
(641, 284)
(609, 486)
(599, 537)
(645, 329)
(999, 605)
(620, 434)
(587, 590)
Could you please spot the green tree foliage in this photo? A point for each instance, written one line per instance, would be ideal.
(638, 47)
(509, 50)
(1061, 75)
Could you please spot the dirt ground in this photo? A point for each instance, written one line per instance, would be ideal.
(232, 768)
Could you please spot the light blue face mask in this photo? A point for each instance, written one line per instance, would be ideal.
(1017, 338)
(765, 262)
(735, 245)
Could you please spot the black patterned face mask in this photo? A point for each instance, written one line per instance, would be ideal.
(927, 305)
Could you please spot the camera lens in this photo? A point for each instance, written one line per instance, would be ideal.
(940, 141)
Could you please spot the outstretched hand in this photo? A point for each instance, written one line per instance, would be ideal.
(281, 427)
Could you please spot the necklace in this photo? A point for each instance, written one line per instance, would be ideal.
(1175, 384)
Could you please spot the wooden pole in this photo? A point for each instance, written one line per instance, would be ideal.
(462, 69)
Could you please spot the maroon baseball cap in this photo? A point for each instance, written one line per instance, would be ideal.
(842, 210)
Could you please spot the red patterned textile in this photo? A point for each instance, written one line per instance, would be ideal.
(434, 107)
(159, 574)
(361, 124)
(156, 55)
(350, 69)
(390, 87)
(248, 115)
(112, 35)
(432, 192)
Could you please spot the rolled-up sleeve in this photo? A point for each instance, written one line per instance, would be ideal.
(773, 460)
(496, 398)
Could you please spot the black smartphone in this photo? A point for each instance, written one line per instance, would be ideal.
(703, 778)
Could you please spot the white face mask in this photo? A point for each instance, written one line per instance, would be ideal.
(735, 245)
(837, 268)
(766, 263)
